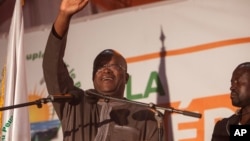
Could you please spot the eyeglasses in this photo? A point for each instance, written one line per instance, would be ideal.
(113, 67)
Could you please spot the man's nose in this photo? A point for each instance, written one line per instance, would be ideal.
(106, 69)
(233, 86)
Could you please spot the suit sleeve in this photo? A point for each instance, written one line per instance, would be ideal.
(55, 70)
(221, 131)
(56, 75)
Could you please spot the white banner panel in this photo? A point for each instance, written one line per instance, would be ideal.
(189, 48)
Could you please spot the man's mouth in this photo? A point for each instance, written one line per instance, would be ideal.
(233, 94)
(107, 78)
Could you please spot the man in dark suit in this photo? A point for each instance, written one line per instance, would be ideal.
(240, 97)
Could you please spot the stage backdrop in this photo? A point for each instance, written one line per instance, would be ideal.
(180, 54)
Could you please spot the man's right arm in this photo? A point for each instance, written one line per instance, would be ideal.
(55, 71)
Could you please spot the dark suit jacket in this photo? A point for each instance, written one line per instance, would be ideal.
(81, 119)
(221, 130)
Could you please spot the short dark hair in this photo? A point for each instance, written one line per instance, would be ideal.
(245, 64)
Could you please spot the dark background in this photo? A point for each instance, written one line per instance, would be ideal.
(43, 12)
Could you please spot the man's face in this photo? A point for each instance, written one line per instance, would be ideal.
(240, 87)
(111, 78)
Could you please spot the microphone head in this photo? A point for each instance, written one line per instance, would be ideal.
(143, 115)
(91, 96)
(120, 116)
(76, 96)
(72, 97)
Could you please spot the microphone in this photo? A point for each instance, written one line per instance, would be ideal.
(64, 97)
(92, 93)
(92, 96)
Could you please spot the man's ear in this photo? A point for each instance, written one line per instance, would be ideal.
(127, 77)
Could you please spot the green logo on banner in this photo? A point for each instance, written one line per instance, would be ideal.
(6, 126)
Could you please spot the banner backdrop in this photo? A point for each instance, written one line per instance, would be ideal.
(180, 54)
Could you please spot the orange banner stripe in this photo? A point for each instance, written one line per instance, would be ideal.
(189, 49)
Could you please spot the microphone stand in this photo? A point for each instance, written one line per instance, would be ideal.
(156, 109)
(159, 119)
(38, 102)
(150, 105)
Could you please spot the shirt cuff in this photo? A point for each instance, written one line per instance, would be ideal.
(55, 33)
